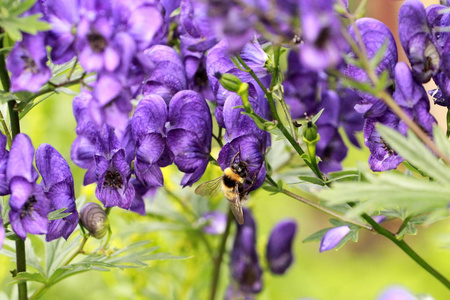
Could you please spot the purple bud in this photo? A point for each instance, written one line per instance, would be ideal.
(279, 247)
(332, 238)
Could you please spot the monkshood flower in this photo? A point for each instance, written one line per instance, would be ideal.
(323, 42)
(4, 154)
(2, 229)
(434, 18)
(168, 76)
(27, 64)
(302, 87)
(334, 236)
(63, 16)
(382, 156)
(29, 205)
(148, 129)
(244, 260)
(412, 97)
(231, 22)
(374, 35)
(112, 171)
(57, 182)
(417, 40)
(197, 25)
(189, 134)
(218, 62)
(238, 124)
(338, 112)
(396, 293)
(83, 148)
(251, 150)
(279, 247)
(141, 193)
(216, 221)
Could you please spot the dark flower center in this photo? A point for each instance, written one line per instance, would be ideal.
(113, 179)
(322, 38)
(28, 207)
(250, 275)
(97, 42)
(30, 64)
(200, 77)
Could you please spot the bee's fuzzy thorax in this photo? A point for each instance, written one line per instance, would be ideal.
(232, 176)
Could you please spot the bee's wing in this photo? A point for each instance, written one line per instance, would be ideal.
(236, 207)
(208, 188)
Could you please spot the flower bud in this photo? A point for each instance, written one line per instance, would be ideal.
(279, 247)
(95, 220)
(229, 81)
(310, 134)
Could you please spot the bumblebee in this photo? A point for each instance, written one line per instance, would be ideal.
(233, 183)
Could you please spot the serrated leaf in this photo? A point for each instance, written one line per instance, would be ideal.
(416, 153)
(311, 179)
(408, 229)
(317, 236)
(22, 7)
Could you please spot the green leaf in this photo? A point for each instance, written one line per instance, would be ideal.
(317, 236)
(416, 153)
(311, 179)
(317, 116)
(379, 55)
(22, 7)
(441, 140)
(26, 276)
(5, 97)
(58, 214)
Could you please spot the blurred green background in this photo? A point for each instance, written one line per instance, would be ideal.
(356, 271)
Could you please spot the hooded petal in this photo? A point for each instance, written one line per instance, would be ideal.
(150, 116)
(279, 247)
(20, 162)
(52, 166)
(332, 238)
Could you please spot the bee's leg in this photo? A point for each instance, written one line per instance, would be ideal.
(250, 183)
(236, 155)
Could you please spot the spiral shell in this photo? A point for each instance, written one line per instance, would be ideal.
(95, 220)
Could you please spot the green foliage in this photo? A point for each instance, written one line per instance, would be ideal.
(14, 24)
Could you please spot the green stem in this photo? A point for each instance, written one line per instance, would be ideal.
(78, 251)
(316, 205)
(273, 107)
(21, 262)
(219, 258)
(408, 250)
(448, 122)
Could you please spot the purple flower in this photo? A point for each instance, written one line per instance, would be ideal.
(244, 261)
(148, 128)
(229, 21)
(252, 151)
(189, 134)
(4, 154)
(141, 193)
(382, 156)
(197, 25)
(332, 238)
(63, 16)
(323, 41)
(29, 205)
(112, 171)
(27, 64)
(374, 35)
(216, 222)
(279, 247)
(57, 182)
(303, 87)
(168, 77)
(417, 40)
(412, 97)
(396, 293)
(83, 148)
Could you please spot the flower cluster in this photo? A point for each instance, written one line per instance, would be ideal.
(30, 203)
(246, 272)
(407, 91)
